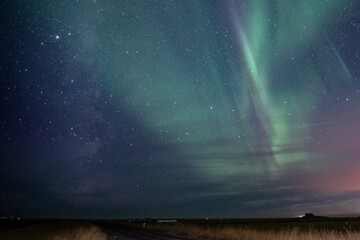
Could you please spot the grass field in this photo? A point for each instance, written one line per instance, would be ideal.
(49, 230)
(264, 229)
(225, 229)
(238, 233)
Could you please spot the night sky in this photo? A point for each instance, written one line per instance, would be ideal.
(124, 109)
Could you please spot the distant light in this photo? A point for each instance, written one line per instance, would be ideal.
(57, 36)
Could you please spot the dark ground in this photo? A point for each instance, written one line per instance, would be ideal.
(124, 230)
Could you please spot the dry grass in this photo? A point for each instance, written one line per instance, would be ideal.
(238, 233)
(58, 230)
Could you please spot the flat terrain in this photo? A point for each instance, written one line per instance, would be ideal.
(278, 224)
(78, 230)
(315, 228)
(31, 229)
(123, 232)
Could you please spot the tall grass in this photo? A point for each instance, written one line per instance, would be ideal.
(69, 230)
(239, 233)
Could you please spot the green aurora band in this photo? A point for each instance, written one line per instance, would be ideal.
(217, 95)
(224, 111)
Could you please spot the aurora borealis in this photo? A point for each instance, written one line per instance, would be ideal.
(122, 109)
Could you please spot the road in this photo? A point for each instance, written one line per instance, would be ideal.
(119, 232)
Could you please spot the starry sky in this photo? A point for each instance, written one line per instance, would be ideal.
(124, 109)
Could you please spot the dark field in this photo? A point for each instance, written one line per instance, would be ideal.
(250, 229)
(303, 224)
(244, 229)
(31, 229)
